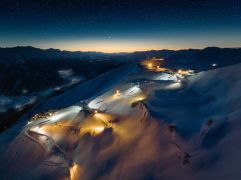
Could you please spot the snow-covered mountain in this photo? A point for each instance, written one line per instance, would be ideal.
(132, 123)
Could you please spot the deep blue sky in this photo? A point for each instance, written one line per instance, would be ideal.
(120, 25)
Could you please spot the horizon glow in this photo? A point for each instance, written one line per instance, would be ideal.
(120, 26)
(116, 46)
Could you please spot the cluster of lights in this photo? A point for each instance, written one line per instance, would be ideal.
(185, 72)
(157, 68)
(56, 116)
(98, 128)
(150, 65)
(182, 72)
(94, 129)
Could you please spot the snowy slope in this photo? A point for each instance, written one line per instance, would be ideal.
(91, 88)
(150, 128)
(206, 115)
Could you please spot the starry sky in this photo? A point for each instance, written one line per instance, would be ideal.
(120, 25)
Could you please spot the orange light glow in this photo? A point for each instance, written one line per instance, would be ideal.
(140, 98)
(117, 93)
(183, 72)
(74, 171)
(94, 131)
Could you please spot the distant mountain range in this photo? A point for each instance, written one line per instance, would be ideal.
(198, 59)
(29, 69)
(29, 52)
(34, 69)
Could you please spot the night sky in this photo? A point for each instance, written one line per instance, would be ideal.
(120, 25)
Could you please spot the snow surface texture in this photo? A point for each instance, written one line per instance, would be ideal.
(188, 129)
